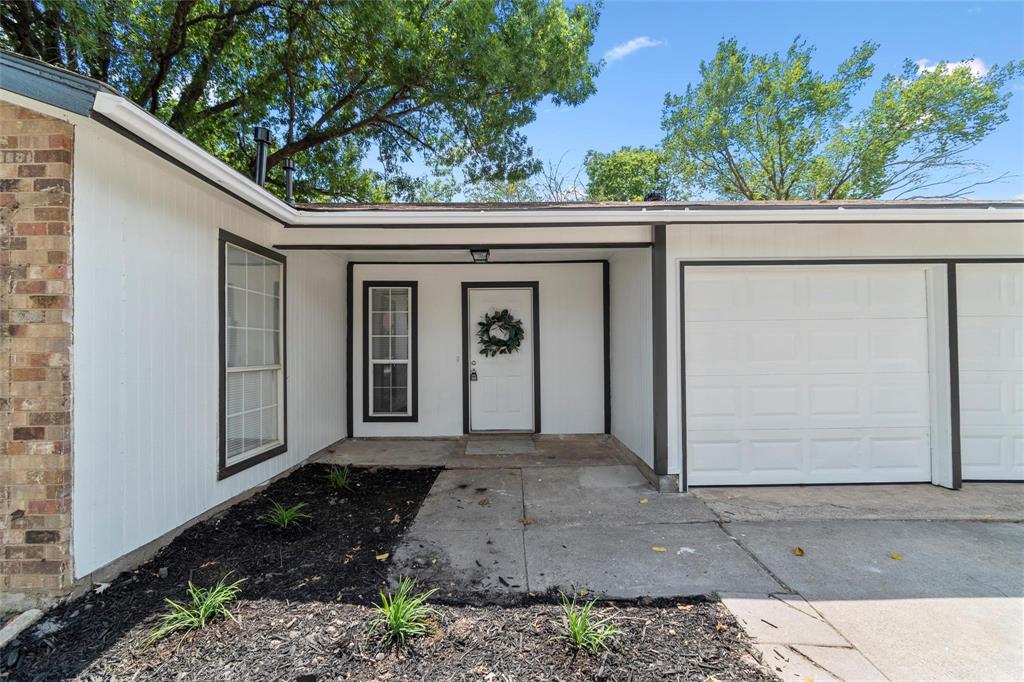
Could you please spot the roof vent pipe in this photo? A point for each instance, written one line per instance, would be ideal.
(262, 137)
(289, 172)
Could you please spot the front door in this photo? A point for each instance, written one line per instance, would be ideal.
(501, 386)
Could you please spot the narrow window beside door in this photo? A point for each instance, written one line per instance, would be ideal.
(252, 354)
(389, 351)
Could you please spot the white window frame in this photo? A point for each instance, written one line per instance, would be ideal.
(230, 465)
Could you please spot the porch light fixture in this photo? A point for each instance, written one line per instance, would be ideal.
(480, 255)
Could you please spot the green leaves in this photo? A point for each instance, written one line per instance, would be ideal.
(404, 613)
(770, 127)
(628, 174)
(344, 85)
(203, 605)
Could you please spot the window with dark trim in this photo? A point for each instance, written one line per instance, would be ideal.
(253, 412)
(389, 351)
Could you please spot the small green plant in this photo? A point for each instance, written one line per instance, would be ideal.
(404, 613)
(582, 629)
(204, 604)
(286, 517)
(340, 477)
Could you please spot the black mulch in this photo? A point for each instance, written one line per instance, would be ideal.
(304, 609)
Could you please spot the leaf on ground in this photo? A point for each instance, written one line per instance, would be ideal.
(383, 557)
(526, 520)
(658, 549)
(643, 500)
(798, 551)
(896, 556)
(684, 607)
(484, 502)
(719, 627)
(397, 519)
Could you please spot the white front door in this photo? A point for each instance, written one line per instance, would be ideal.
(990, 302)
(501, 387)
(807, 375)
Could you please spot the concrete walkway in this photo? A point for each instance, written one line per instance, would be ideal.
(951, 606)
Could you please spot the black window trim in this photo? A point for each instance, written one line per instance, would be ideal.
(223, 469)
(413, 415)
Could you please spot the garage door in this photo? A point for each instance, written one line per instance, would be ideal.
(807, 375)
(990, 303)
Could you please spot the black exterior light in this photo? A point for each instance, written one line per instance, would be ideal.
(262, 137)
(654, 195)
(480, 255)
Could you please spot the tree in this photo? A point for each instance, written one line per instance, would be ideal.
(449, 83)
(629, 174)
(770, 127)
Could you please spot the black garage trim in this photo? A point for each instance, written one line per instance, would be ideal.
(349, 267)
(466, 286)
(607, 298)
(954, 374)
(954, 358)
(659, 346)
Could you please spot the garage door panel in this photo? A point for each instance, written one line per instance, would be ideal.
(832, 456)
(773, 293)
(991, 343)
(805, 346)
(807, 375)
(818, 401)
(990, 306)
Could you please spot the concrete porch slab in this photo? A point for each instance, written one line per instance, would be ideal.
(460, 561)
(595, 450)
(626, 561)
(398, 453)
(507, 445)
(608, 495)
(898, 502)
(472, 500)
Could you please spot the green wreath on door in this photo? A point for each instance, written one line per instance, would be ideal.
(499, 333)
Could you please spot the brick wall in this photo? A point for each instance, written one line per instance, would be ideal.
(35, 343)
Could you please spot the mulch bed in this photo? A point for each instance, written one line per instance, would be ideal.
(304, 611)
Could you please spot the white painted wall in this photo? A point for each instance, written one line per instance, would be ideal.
(571, 354)
(821, 241)
(144, 357)
(632, 363)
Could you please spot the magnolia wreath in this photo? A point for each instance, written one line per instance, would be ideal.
(499, 333)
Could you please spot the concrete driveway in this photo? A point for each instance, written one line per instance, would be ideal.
(951, 606)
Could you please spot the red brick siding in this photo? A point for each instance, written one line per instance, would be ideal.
(35, 342)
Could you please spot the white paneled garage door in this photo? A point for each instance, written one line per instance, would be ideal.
(807, 375)
(990, 303)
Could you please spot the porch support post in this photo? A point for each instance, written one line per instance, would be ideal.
(659, 344)
(349, 267)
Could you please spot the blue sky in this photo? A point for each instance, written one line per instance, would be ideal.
(671, 38)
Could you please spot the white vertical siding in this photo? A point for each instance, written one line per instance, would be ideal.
(571, 344)
(631, 359)
(145, 356)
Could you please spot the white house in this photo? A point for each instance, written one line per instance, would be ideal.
(176, 335)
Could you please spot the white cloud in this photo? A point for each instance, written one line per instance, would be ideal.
(978, 68)
(629, 47)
